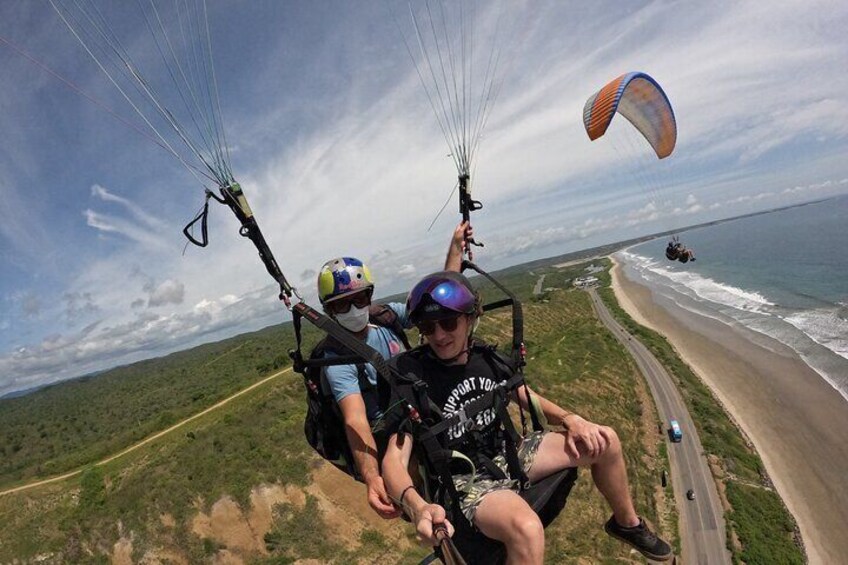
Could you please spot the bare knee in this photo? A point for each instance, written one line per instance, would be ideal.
(527, 530)
(504, 516)
(614, 440)
(526, 543)
(614, 447)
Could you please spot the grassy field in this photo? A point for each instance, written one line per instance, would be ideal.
(153, 502)
(71, 424)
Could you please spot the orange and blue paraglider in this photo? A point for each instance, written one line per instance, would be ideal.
(641, 100)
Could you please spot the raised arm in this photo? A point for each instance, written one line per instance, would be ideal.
(453, 261)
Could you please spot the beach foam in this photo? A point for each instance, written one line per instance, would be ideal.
(819, 336)
(825, 326)
(704, 287)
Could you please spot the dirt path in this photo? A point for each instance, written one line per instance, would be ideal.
(147, 440)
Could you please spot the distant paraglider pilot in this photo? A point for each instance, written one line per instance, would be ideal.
(672, 251)
(676, 251)
(686, 255)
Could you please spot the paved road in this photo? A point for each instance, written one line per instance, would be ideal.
(702, 520)
(537, 290)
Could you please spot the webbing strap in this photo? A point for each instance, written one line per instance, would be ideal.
(490, 466)
(434, 454)
(534, 416)
(476, 406)
(512, 440)
(518, 350)
(333, 361)
(378, 316)
(201, 217)
(236, 200)
(438, 457)
(362, 350)
(517, 312)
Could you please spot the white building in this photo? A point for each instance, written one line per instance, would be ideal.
(584, 282)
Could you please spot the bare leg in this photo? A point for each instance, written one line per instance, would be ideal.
(506, 517)
(608, 471)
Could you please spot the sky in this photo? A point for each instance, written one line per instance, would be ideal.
(334, 141)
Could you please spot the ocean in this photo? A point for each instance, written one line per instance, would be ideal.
(783, 274)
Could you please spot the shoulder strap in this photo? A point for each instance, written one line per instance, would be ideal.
(382, 315)
(361, 350)
(412, 388)
(503, 363)
(362, 376)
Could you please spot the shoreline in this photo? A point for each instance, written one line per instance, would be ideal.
(784, 407)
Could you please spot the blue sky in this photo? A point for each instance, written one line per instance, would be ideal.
(335, 143)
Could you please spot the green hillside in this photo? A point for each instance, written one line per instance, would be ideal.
(240, 484)
(70, 424)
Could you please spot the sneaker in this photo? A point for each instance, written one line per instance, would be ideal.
(641, 538)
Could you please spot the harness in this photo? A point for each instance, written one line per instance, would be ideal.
(428, 426)
(324, 423)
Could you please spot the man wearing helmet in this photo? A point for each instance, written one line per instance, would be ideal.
(456, 371)
(345, 289)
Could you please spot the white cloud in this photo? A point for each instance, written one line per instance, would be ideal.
(78, 304)
(146, 219)
(64, 355)
(340, 154)
(169, 292)
(120, 226)
(406, 271)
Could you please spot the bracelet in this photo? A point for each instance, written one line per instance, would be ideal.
(404, 493)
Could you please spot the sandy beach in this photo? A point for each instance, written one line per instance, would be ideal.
(796, 420)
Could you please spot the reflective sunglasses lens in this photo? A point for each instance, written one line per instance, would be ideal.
(340, 306)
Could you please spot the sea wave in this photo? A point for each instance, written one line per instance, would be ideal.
(818, 335)
(826, 326)
(705, 288)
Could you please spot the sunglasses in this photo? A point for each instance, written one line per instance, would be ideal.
(428, 327)
(342, 305)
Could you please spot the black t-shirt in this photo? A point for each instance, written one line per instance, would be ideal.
(450, 388)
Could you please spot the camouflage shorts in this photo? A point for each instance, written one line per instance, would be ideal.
(473, 488)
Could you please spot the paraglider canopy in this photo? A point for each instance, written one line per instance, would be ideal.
(641, 100)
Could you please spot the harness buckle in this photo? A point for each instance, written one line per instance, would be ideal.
(463, 418)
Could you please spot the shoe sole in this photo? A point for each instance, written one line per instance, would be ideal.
(647, 554)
